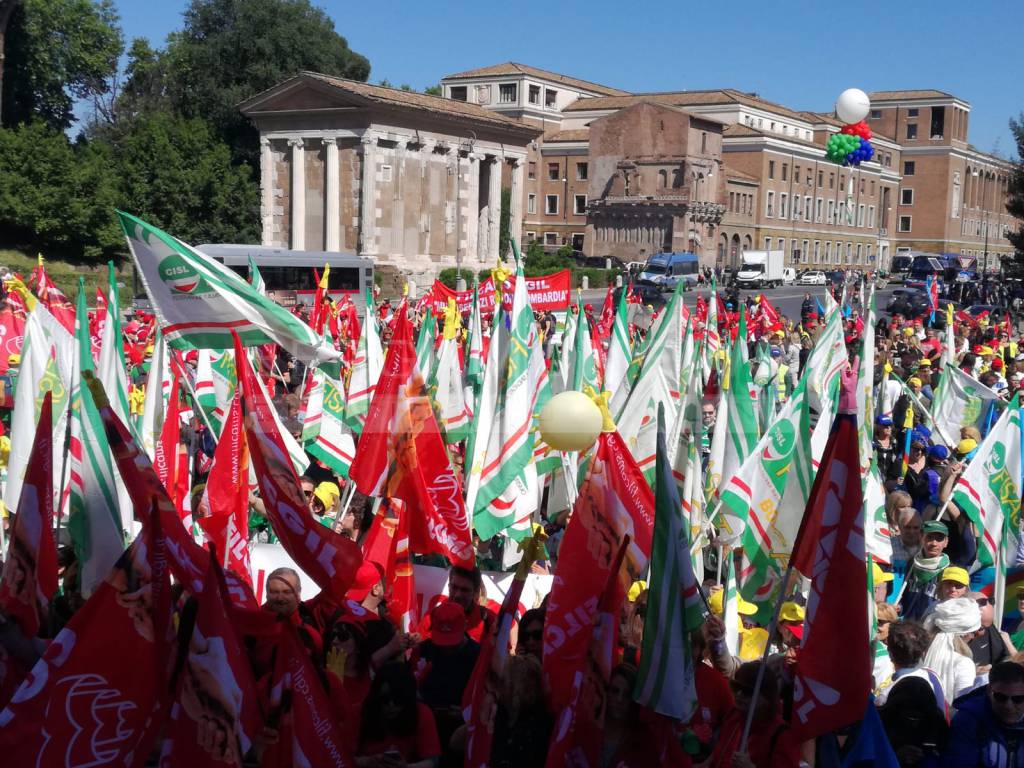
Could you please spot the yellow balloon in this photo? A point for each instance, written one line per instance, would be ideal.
(570, 422)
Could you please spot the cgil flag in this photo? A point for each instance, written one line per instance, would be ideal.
(199, 302)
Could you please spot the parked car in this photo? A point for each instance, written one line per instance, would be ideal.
(788, 276)
(813, 277)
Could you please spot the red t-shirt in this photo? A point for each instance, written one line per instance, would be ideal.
(420, 745)
(714, 697)
(771, 744)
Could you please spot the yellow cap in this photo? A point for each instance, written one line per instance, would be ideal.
(966, 445)
(14, 359)
(328, 493)
(743, 608)
(959, 575)
(791, 612)
(925, 363)
(986, 351)
(878, 575)
(913, 381)
(635, 590)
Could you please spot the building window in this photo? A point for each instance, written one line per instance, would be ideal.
(796, 207)
(807, 209)
(771, 169)
(872, 187)
(906, 197)
(831, 181)
(860, 253)
(550, 98)
(817, 209)
(803, 252)
(831, 212)
(841, 212)
(871, 217)
(905, 223)
(530, 236)
(581, 171)
(531, 203)
(551, 205)
(385, 173)
(767, 243)
(821, 178)
(579, 205)
(828, 251)
(849, 253)
(531, 170)
(860, 215)
(912, 112)
(457, 93)
(785, 171)
(535, 94)
(554, 172)
(703, 143)
(908, 167)
(911, 130)
(782, 204)
(732, 201)
(817, 251)
(782, 244)
(876, 114)
(550, 238)
(796, 174)
(507, 93)
(770, 209)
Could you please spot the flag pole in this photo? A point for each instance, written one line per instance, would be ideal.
(350, 492)
(772, 626)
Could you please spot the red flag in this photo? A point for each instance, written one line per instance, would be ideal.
(29, 578)
(329, 558)
(614, 502)
(607, 319)
(402, 455)
(99, 693)
(387, 546)
(52, 298)
(12, 329)
(216, 716)
(189, 561)
(299, 705)
(579, 731)
(830, 550)
(167, 457)
(227, 495)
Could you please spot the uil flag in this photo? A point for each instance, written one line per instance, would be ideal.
(199, 302)
(227, 495)
(29, 576)
(989, 490)
(830, 551)
(614, 502)
(99, 692)
(329, 558)
(401, 455)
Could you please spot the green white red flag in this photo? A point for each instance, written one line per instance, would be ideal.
(366, 370)
(665, 682)
(199, 302)
(742, 432)
(619, 347)
(989, 490)
(325, 435)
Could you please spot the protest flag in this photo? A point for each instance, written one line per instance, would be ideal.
(325, 435)
(619, 348)
(448, 383)
(366, 369)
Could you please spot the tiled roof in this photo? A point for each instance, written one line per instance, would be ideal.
(574, 134)
(685, 99)
(828, 117)
(512, 68)
(395, 97)
(926, 93)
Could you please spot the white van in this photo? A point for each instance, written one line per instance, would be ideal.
(788, 276)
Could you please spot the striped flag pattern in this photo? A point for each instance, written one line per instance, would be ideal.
(366, 370)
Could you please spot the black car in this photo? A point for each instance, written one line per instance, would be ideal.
(908, 302)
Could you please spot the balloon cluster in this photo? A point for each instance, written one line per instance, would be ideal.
(852, 145)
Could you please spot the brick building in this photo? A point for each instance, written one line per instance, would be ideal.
(780, 190)
(656, 183)
(407, 179)
(952, 197)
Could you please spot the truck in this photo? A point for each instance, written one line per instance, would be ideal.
(665, 270)
(761, 269)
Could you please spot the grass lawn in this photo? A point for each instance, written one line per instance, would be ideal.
(66, 275)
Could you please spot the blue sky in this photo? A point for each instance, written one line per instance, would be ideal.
(800, 53)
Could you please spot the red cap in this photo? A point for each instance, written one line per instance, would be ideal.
(367, 577)
(977, 349)
(997, 363)
(447, 624)
(796, 629)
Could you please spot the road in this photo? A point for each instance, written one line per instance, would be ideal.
(786, 300)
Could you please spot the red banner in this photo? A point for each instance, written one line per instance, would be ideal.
(550, 292)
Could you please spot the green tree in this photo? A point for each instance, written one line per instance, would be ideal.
(1015, 198)
(58, 52)
(230, 50)
(178, 175)
(433, 90)
(55, 196)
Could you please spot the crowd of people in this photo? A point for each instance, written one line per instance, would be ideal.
(948, 679)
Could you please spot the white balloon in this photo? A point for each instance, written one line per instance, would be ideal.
(570, 421)
(853, 105)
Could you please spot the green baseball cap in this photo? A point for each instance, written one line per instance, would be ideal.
(935, 526)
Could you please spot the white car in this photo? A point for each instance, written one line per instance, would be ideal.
(812, 278)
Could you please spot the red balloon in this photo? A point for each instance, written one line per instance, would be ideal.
(860, 130)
